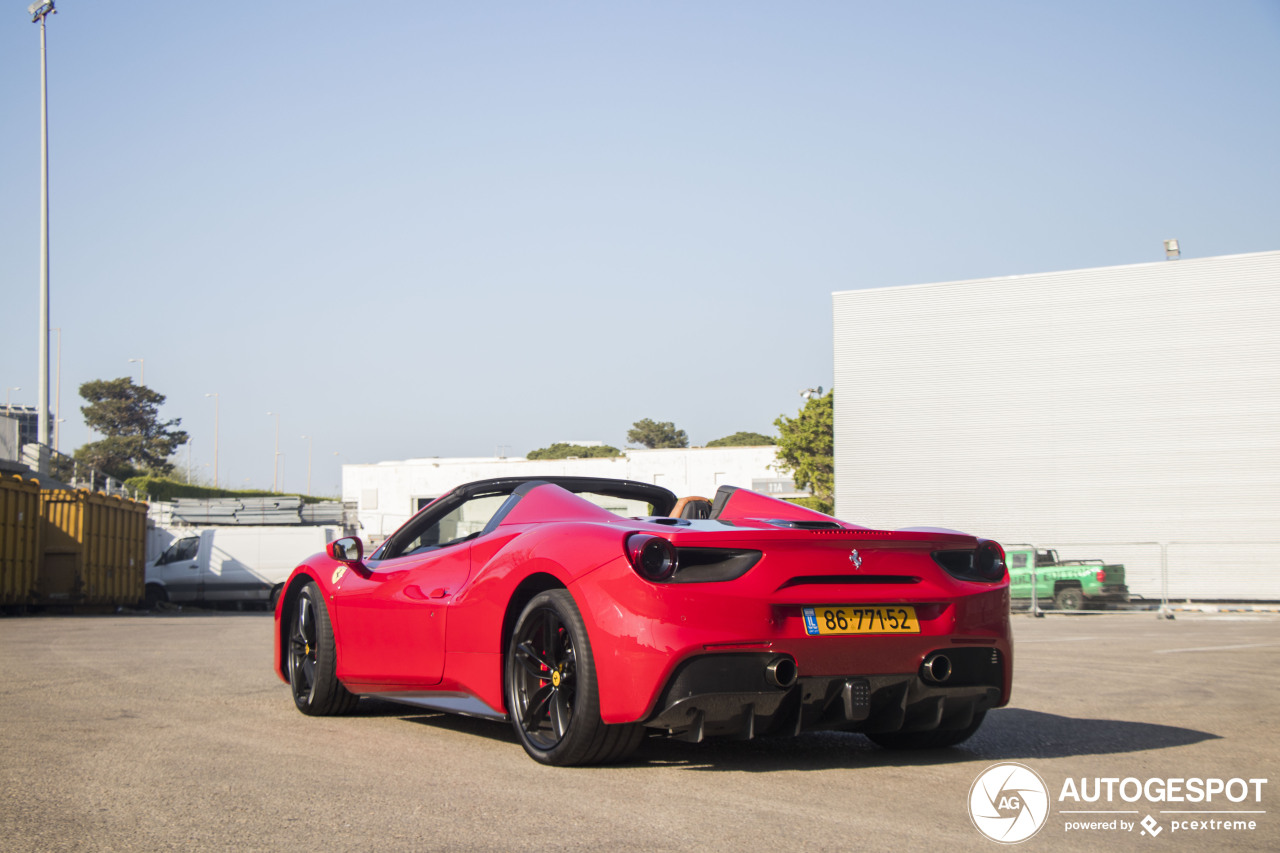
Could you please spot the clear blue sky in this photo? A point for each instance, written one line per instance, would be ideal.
(429, 229)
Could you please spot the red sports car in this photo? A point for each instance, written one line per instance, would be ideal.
(593, 612)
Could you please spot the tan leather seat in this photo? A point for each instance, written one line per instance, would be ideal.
(693, 507)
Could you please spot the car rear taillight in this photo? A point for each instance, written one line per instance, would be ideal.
(1101, 575)
(652, 556)
(988, 561)
(984, 563)
(707, 565)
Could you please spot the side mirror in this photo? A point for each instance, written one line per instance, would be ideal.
(346, 550)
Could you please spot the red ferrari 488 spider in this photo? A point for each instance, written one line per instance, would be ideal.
(593, 612)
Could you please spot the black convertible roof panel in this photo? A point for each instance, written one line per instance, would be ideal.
(663, 500)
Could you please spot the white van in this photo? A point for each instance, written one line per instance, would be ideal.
(232, 563)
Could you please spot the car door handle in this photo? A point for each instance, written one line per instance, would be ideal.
(438, 592)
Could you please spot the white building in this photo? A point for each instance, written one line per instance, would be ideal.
(388, 493)
(1126, 413)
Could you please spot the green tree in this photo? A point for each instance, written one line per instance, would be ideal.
(560, 450)
(805, 447)
(651, 434)
(135, 441)
(743, 439)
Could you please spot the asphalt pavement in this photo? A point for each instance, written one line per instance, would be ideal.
(171, 732)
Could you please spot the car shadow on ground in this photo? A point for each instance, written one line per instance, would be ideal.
(1008, 734)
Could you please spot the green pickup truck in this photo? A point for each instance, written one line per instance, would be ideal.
(1071, 584)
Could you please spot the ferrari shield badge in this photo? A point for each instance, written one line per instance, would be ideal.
(337, 575)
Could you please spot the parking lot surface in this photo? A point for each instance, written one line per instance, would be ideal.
(171, 732)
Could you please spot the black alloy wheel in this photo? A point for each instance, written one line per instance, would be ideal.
(545, 684)
(312, 658)
(551, 688)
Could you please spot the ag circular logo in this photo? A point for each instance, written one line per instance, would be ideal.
(1008, 802)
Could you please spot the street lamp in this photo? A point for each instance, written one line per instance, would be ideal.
(40, 10)
(7, 406)
(57, 393)
(310, 441)
(275, 460)
(142, 369)
(217, 404)
(810, 393)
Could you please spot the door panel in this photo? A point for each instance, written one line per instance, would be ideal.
(391, 625)
(181, 573)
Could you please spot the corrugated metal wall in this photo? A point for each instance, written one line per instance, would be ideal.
(94, 548)
(1099, 409)
(20, 528)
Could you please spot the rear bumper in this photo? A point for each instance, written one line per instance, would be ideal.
(729, 695)
(1113, 593)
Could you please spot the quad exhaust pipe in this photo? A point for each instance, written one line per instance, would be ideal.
(781, 672)
(936, 668)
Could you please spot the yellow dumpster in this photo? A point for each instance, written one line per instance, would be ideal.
(94, 548)
(19, 539)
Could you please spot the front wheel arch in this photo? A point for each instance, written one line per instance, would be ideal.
(313, 655)
(289, 597)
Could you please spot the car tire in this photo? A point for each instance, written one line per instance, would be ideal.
(935, 739)
(1069, 598)
(551, 689)
(313, 659)
(153, 596)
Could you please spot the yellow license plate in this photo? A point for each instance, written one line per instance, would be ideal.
(852, 619)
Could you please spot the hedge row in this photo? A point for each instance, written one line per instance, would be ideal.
(161, 489)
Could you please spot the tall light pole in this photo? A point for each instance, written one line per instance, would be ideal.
(142, 369)
(57, 393)
(310, 441)
(216, 406)
(275, 460)
(40, 10)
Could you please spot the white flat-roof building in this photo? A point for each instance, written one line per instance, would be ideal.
(1127, 413)
(388, 493)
